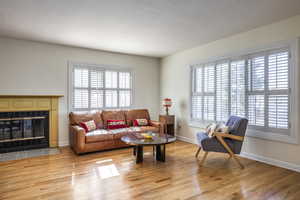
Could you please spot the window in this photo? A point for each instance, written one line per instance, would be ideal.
(95, 87)
(254, 86)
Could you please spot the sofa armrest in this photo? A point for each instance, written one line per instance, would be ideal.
(159, 125)
(155, 123)
(77, 138)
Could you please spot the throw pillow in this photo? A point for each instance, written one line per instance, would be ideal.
(88, 126)
(140, 122)
(222, 128)
(210, 129)
(115, 124)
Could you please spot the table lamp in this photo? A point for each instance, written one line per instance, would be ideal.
(167, 103)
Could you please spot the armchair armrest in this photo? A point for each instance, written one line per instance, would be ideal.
(227, 135)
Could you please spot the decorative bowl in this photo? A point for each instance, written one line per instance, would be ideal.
(146, 135)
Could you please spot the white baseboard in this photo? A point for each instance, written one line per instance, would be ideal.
(270, 161)
(63, 143)
(186, 139)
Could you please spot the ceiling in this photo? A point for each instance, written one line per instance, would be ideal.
(144, 27)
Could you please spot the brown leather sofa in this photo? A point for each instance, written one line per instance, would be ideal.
(102, 138)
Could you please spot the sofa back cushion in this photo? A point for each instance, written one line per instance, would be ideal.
(131, 115)
(112, 115)
(76, 118)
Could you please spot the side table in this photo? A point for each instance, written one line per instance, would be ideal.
(168, 122)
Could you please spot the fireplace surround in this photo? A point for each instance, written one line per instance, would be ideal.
(28, 121)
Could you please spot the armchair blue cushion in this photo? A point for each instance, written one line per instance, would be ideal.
(237, 126)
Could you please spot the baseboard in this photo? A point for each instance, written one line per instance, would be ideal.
(186, 139)
(270, 161)
(63, 143)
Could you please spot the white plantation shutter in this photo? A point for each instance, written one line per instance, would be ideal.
(97, 85)
(197, 94)
(97, 79)
(238, 88)
(209, 92)
(209, 77)
(256, 68)
(278, 90)
(124, 80)
(253, 86)
(97, 88)
(111, 99)
(256, 110)
(97, 98)
(81, 78)
(279, 111)
(125, 85)
(81, 99)
(80, 90)
(198, 79)
(111, 79)
(278, 71)
(222, 90)
(197, 107)
(124, 98)
(256, 98)
(208, 108)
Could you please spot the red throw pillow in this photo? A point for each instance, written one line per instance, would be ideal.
(140, 122)
(115, 124)
(88, 126)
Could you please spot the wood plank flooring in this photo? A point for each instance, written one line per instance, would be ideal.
(114, 175)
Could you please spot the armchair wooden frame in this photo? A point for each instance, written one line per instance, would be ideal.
(220, 137)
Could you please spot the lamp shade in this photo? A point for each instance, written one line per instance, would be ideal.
(167, 102)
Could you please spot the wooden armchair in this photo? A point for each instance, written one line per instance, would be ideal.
(230, 143)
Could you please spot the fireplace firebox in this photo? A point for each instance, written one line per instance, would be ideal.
(23, 130)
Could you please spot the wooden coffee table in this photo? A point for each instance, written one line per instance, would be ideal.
(138, 143)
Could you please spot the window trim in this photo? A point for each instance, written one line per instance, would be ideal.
(293, 47)
(104, 67)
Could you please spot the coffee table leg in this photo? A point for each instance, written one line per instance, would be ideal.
(139, 154)
(160, 153)
(134, 151)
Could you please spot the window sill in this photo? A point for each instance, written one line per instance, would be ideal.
(199, 125)
(279, 137)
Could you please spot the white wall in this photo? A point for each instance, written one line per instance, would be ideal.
(38, 68)
(175, 82)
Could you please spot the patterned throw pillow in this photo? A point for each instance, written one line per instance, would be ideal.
(88, 126)
(210, 129)
(115, 124)
(140, 122)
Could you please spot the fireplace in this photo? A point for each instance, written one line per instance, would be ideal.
(23, 130)
(28, 121)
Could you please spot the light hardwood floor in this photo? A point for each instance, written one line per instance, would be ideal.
(114, 175)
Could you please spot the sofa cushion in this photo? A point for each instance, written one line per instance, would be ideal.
(112, 115)
(118, 133)
(136, 114)
(77, 117)
(98, 136)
